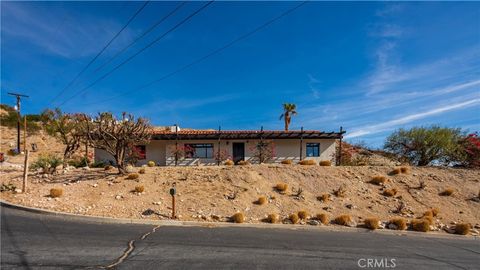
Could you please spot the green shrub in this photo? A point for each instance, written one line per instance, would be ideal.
(80, 161)
(151, 163)
(47, 162)
(99, 164)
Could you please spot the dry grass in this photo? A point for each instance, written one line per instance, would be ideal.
(139, 189)
(372, 223)
(343, 220)
(463, 228)
(133, 176)
(303, 214)
(281, 187)
(307, 162)
(404, 169)
(151, 163)
(287, 161)
(294, 218)
(238, 217)
(390, 192)
(141, 171)
(229, 162)
(447, 192)
(323, 218)
(56, 192)
(396, 171)
(341, 191)
(420, 225)
(378, 180)
(325, 163)
(261, 200)
(243, 162)
(401, 223)
(273, 218)
(325, 197)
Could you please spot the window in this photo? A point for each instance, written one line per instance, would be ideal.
(141, 152)
(313, 149)
(199, 150)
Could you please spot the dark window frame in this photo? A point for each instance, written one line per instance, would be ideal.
(313, 148)
(199, 150)
(141, 151)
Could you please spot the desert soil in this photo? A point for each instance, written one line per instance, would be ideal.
(216, 193)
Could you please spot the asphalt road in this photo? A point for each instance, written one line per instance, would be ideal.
(35, 241)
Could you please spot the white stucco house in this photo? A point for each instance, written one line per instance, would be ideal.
(202, 147)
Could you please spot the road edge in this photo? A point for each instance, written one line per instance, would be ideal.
(99, 219)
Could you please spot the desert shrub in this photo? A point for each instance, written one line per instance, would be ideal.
(287, 161)
(447, 192)
(378, 180)
(302, 214)
(325, 163)
(390, 192)
(372, 223)
(307, 162)
(238, 217)
(273, 218)
(151, 163)
(56, 192)
(463, 228)
(79, 161)
(100, 164)
(47, 162)
(261, 200)
(263, 150)
(229, 162)
(435, 211)
(404, 169)
(429, 219)
(324, 197)
(401, 223)
(243, 162)
(294, 218)
(139, 189)
(323, 218)
(133, 176)
(281, 187)
(141, 171)
(343, 220)
(8, 187)
(420, 225)
(396, 171)
(341, 191)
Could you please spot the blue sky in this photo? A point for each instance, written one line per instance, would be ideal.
(371, 67)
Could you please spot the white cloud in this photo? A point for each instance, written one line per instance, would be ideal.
(392, 124)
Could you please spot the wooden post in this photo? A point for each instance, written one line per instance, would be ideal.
(25, 173)
(25, 134)
(301, 143)
(176, 144)
(340, 147)
(218, 151)
(173, 206)
(261, 146)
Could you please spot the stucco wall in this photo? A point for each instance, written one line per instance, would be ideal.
(161, 151)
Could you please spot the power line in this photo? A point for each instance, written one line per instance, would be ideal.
(141, 36)
(231, 43)
(137, 53)
(100, 52)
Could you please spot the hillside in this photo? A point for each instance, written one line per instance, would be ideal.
(215, 193)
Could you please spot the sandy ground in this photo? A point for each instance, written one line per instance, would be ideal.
(216, 193)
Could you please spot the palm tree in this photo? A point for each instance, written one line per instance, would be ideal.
(289, 109)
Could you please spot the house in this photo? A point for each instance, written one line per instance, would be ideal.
(172, 146)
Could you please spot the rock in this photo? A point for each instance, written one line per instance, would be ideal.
(129, 169)
(157, 203)
(118, 197)
(313, 222)
(477, 226)
(392, 226)
(215, 217)
(351, 206)
(17, 190)
(95, 185)
(352, 224)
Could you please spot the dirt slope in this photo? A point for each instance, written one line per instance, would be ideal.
(205, 193)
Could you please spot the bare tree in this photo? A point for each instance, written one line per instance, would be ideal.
(116, 136)
(65, 128)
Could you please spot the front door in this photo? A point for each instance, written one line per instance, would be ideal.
(238, 152)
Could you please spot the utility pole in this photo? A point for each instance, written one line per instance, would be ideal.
(18, 96)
